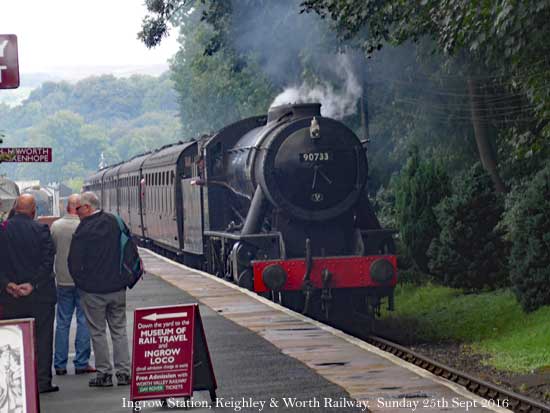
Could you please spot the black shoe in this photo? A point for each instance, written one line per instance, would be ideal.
(101, 380)
(85, 370)
(60, 372)
(50, 389)
(123, 379)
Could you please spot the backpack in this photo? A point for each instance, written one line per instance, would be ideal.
(131, 266)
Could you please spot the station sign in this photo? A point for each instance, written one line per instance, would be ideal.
(19, 389)
(170, 356)
(9, 62)
(25, 154)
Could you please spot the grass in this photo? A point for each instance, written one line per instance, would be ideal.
(491, 323)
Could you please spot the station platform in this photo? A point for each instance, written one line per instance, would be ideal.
(267, 358)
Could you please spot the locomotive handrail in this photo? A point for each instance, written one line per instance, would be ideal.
(238, 237)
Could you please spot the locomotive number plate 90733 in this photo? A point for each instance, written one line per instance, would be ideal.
(316, 157)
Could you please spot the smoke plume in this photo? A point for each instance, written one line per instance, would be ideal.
(335, 103)
(291, 47)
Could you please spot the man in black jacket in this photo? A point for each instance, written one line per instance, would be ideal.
(94, 263)
(27, 286)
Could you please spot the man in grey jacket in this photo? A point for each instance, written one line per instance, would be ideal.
(68, 299)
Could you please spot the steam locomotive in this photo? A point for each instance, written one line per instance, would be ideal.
(275, 203)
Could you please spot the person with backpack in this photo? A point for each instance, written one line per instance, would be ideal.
(94, 262)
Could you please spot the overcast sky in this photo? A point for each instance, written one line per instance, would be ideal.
(73, 33)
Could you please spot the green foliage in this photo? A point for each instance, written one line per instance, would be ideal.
(384, 205)
(105, 115)
(76, 147)
(215, 90)
(418, 189)
(470, 252)
(528, 221)
(491, 323)
(155, 26)
(507, 36)
(75, 184)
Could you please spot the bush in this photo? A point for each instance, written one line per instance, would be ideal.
(528, 219)
(384, 205)
(418, 189)
(470, 252)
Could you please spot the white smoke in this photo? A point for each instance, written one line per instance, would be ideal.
(334, 103)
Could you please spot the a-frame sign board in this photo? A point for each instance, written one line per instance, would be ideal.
(19, 390)
(170, 356)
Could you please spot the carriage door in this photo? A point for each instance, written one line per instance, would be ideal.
(192, 216)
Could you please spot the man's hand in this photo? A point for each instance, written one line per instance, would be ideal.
(13, 289)
(24, 289)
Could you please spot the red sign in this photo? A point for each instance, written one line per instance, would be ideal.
(162, 360)
(18, 385)
(25, 154)
(9, 63)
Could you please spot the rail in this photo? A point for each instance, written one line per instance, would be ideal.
(506, 398)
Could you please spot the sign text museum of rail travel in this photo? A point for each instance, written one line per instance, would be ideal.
(163, 352)
(9, 62)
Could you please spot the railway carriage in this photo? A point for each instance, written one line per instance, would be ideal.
(95, 184)
(162, 196)
(130, 191)
(111, 188)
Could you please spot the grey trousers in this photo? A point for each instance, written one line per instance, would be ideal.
(107, 308)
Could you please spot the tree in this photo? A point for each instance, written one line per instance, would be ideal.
(421, 185)
(216, 85)
(528, 221)
(72, 141)
(80, 121)
(470, 252)
(155, 26)
(506, 36)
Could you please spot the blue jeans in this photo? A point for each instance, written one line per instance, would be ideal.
(67, 301)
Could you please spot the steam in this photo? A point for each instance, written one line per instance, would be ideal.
(335, 103)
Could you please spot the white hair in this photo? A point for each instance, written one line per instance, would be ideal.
(89, 198)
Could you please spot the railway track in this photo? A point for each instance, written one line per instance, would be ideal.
(497, 395)
(501, 397)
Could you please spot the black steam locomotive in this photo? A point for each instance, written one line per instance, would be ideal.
(278, 204)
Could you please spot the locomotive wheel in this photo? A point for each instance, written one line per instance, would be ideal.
(294, 300)
(246, 279)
